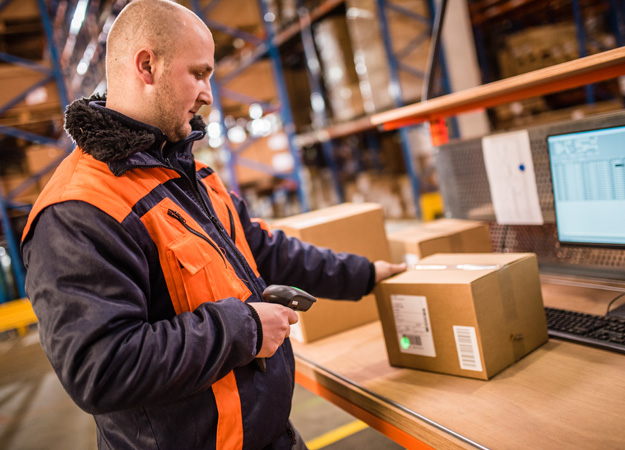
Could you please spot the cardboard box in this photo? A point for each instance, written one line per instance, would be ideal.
(440, 236)
(348, 227)
(463, 314)
(337, 63)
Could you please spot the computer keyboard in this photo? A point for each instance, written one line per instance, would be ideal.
(606, 332)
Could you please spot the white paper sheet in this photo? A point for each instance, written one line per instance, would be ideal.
(510, 170)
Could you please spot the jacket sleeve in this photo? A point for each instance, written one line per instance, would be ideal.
(90, 285)
(320, 271)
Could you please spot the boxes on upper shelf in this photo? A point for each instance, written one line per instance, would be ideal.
(463, 314)
(339, 73)
(348, 227)
(440, 236)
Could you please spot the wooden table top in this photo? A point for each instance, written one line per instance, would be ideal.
(562, 395)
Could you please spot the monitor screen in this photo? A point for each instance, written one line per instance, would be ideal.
(588, 174)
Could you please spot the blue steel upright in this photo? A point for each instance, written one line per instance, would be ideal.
(399, 102)
(6, 198)
(265, 46)
(287, 118)
(313, 71)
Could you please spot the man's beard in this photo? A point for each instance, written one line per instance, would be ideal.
(170, 123)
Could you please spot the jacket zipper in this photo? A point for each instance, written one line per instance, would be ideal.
(176, 215)
(232, 228)
(228, 239)
(233, 231)
(216, 223)
(224, 234)
(237, 254)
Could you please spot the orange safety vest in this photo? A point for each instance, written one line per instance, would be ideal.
(195, 268)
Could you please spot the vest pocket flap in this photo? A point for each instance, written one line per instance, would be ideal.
(189, 254)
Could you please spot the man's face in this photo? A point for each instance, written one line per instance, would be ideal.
(184, 86)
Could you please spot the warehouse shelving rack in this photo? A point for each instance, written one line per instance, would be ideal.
(264, 46)
(485, 13)
(52, 74)
(64, 32)
(580, 72)
(269, 45)
(396, 64)
(313, 71)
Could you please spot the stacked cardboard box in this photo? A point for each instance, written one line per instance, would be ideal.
(371, 56)
(463, 314)
(538, 47)
(440, 236)
(339, 74)
(349, 227)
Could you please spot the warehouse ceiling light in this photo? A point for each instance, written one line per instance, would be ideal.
(213, 129)
(256, 111)
(356, 13)
(216, 142)
(259, 127)
(317, 102)
(5, 259)
(79, 16)
(237, 134)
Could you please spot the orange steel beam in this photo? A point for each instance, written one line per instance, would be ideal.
(390, 431)
(590, 69)
(579, 72)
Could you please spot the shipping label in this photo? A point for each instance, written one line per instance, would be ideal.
(412, 322)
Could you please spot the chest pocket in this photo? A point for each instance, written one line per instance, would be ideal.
(195, 268)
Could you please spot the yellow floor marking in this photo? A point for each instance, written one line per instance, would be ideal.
(16, 315)
(336, 435)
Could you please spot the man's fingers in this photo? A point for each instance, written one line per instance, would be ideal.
(385, 269)
(293, 317)
(276, 321)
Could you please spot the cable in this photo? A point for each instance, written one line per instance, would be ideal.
(504, 239)
(607, 313)
(435, 44)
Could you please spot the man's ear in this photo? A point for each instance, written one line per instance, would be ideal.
(145, 63)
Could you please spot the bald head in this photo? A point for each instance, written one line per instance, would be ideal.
(160, 57)
(154, 24)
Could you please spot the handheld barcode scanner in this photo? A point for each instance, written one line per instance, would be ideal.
(288, 296)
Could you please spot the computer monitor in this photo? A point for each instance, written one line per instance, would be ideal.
(588, 177)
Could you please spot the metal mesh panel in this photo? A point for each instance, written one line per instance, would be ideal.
(463, 181)
(466, 194)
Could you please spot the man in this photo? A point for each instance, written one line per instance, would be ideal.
(147, 276)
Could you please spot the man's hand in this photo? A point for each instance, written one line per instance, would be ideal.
(276, 320)
(385, 269)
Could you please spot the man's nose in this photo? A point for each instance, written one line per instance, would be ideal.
(206, 95)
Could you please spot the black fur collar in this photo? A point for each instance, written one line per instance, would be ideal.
(108, 135)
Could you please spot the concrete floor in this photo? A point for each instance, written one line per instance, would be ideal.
(36, 413)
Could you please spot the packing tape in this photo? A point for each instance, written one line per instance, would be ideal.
(455, 266)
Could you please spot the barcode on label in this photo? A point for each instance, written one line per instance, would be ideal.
(414, 340)
(412, 325)
(468, 350)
